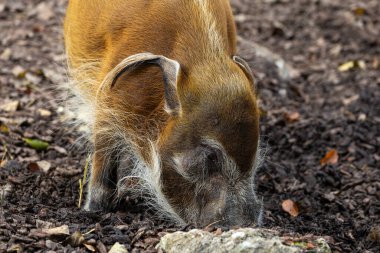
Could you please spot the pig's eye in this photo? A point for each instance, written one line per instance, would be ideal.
(211, 159)
(212, 164)
(202, 162)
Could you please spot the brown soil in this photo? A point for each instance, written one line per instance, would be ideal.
(337, 110)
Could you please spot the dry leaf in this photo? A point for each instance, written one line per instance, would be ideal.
(346, 66)
(89, 247)
(10, 106)
(37, 144)
(19, 72)
(331, 157)
(76, 239)
(290, 207)
(310, 245)
(33, 167)
(62, 230)
(292, 116)
(352, 65)
(375, 63)
(349, 100)
(101, 248)
(218, 231)
(359, 11)
(59, 149)
(5, 190)
(6, 54)
(44, 113)
(374, 234)
(4, 129)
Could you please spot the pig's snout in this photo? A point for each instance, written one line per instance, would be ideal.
(227, 209)
(213, 210)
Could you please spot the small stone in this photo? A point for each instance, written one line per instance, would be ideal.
(283, 93)
(240, 240)
(44, 113)
(118, 248)
(18, 72)
(50, 244)
(33, 78)
(10, 106)
(362, 117)
(44, 166)
(44, 11)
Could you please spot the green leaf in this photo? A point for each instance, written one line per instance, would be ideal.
(37, 144)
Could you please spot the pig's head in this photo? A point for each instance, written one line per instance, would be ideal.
(208, 148)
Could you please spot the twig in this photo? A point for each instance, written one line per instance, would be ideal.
(83, 181)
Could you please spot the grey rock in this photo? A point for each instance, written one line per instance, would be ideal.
(240, 240)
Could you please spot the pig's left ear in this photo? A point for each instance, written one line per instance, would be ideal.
(245, 67)
(171, 70)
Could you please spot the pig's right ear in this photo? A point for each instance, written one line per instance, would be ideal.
(171, 70)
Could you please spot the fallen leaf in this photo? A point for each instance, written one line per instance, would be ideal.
(44, 11)
(33, 78)
(5, 190)
(375, 63)
(44, 113)
(350, 65)
(89, 247)
(359, 11)
(218, 231)
(4, 128)
(37, 144)
(349, 100)
(76, 239)
(346, 66)
(331, 157)
(19, 72)
(101, 248)
(374, 234)
(292, 116)
(59, 149)
(290, 207)
(6, 54)
(33, 167)
(15, 248)
(10, 106)
(310, 245)
(62, 230)
(3, 162)
(361, 64)
(118, 248)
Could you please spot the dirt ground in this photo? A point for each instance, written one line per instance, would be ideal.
(334, 104)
